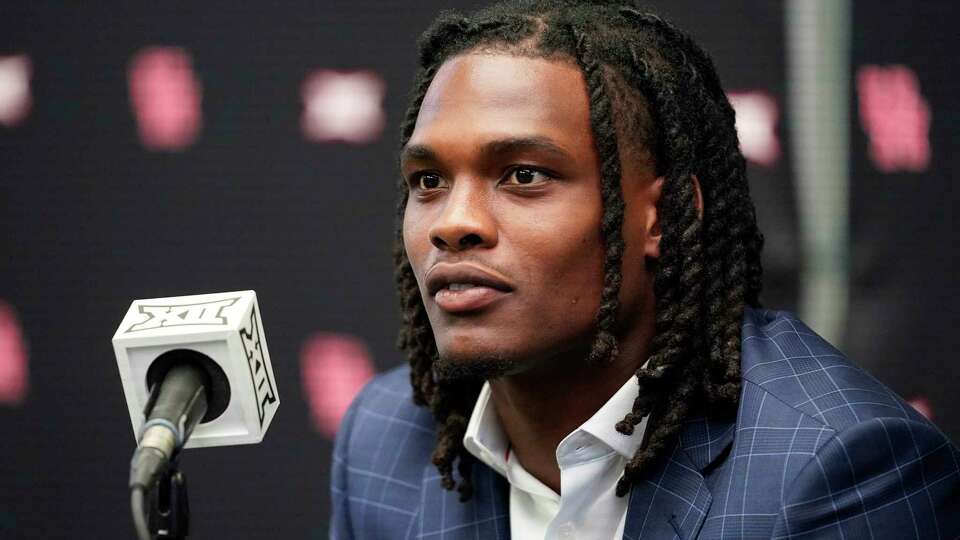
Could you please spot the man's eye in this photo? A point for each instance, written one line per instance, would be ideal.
(428, 181)
(524, 176)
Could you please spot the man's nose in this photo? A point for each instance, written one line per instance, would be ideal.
(466, 220)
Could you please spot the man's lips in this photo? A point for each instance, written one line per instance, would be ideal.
(465, 287)
(471, 299)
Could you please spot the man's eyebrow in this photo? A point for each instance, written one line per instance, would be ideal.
(508, 145)
(417, 152)
(518, 144)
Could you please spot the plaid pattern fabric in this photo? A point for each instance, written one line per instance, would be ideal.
(818, 449)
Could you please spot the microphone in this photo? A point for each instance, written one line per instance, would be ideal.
(196, 372)
(177, 404)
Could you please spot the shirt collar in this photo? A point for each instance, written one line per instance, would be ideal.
(602, 424)
(486, 440)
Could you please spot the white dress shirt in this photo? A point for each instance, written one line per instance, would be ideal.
(591, 460)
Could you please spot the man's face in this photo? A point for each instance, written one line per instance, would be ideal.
(502, 224)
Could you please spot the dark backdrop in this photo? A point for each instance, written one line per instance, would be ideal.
(92, 219)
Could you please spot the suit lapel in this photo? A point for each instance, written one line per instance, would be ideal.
(443, 517)
(674, 499)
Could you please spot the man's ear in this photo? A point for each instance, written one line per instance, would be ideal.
(651, 249)
(654, 232)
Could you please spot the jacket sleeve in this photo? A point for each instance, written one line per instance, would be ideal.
(881, 478)
(340, 525)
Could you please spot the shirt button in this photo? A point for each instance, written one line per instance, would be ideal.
(567, 530)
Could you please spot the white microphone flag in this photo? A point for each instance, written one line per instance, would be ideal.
(226, 327)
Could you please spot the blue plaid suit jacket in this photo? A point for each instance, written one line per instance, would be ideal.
(818, 449)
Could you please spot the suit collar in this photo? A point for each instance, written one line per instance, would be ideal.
(704, 440)
(674, 498)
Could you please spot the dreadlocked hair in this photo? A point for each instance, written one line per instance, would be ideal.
(668, 100)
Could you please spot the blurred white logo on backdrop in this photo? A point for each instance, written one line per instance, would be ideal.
(342, 106)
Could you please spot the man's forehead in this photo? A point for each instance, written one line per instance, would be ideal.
(510, 96)
(502, 84)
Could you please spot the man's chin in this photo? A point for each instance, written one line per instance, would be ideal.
(454, 368)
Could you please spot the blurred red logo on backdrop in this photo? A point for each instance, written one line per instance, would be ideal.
(15, 99)
(923, 406)
(165, 96)
(13, 358)
(757, 113)
(333, 369)
(342, 106)
(896, 118)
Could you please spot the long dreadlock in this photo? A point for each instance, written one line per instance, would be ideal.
(666, 88)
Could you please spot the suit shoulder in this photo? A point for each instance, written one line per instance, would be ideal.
(381, 456)
(395, 381)
(388, 398)
(385, 434)
(783, 357)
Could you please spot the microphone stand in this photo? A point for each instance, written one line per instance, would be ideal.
(158, 498)
(168, 512)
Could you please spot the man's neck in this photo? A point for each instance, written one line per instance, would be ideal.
(541, 406)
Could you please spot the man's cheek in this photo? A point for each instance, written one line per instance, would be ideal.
(412, 246)
(579, 265)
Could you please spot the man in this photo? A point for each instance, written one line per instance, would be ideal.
(578, 265)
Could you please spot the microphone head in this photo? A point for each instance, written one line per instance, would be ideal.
(220, 332)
